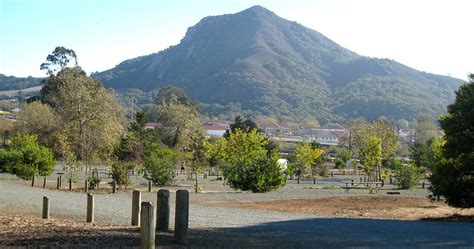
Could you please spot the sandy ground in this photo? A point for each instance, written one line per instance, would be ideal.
(381, 207)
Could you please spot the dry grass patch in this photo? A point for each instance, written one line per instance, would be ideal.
(400, 208)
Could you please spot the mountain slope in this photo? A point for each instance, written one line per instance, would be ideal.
(17, 83)
(254, 61)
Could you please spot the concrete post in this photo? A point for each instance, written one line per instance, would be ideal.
(181, 217)
(33, 181)
(147, 225)
(90, 207)
(163, 210)
(45, 207)
(136, 199)
(44, 182)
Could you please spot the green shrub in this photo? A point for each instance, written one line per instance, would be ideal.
(120, 172)
(262, 175)
(248, 165)
(340, 164)
(290, 170)
(160, 165)
(408, 176)
(26, 158)
(93, 181)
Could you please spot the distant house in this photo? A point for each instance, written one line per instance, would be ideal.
(215, 129)
(151, 125)
(329, 135)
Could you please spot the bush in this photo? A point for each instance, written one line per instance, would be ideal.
(160, 165)
(26, 158)
(290, 170)
(248, 165)
(340, 164)
(261, 175)
(394, 164)
(93, 181)
(322, 170)
(120, 172)
(408, 176)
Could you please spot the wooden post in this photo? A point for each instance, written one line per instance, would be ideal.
(45, 207)
(147, 225)
(332, 174)
(423, 185)
(391, 180)
(58, 183)
(163, 210)
(136, 199)
(85, 186)
(114, 187)
(70, 184)
(352, 182)
(33, 181)
(149, 186)
(44, 182)
(181, 217)
(90, 208)
(314, 180)
(360, 180)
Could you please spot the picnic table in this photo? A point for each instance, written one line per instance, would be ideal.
(353, 185)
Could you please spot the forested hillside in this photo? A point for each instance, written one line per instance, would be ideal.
(17, 83)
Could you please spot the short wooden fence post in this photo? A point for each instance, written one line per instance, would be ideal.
(163, 210)
(114, 187)
(58, 183)
(45, 207)
(70, 184)
(33, 181)
(44, 182)
(136, 199)
(149, 186)
(147, 225)
(90, 208)
(181, 217)
(85, 186)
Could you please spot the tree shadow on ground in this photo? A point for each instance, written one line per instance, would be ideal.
(306, 233)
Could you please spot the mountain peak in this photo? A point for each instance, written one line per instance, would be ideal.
(257, 10)
(254, 61)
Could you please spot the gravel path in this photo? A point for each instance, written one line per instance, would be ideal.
(116, 208)
(220, 227)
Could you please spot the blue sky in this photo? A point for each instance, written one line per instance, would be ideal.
(429, 35)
